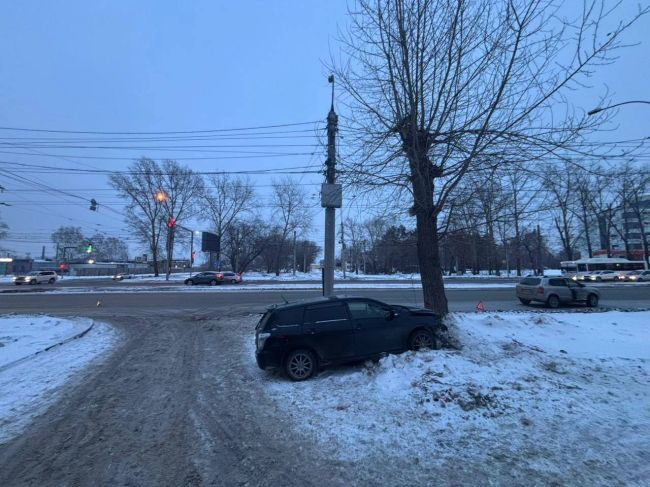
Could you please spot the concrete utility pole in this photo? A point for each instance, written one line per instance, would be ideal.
(331, 198)
(343, 262)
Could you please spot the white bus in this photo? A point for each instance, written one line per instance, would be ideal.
(571, 268)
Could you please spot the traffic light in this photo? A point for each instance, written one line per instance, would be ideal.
(171, 222)
(93, 204)
(88, 248)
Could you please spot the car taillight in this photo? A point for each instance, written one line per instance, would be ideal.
(219, 275)
(540, 290)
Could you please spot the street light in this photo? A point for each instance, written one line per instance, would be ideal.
(600, 109)
(160, 196)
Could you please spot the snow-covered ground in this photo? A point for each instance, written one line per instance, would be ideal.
(530, 398)
(31, 374)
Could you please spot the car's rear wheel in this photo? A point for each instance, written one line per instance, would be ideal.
(422, 339)
(553, 301)
(524, 301)
(599, 279)
(592, 301)
(52, 280)
(213, 282)
(300, 364)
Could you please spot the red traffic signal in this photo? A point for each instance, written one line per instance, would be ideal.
(171, 222)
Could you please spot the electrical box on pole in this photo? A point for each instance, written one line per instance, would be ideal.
(331, 195)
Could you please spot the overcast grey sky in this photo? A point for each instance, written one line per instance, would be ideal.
(147, 66)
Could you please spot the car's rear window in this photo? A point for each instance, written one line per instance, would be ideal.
(263, 321)
(531, 281)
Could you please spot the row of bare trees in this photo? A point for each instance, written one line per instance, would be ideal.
(163, 199)
(510, 218)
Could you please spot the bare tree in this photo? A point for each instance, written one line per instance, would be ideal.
(144, 212)
(244, 242)
(69, 241)
(375, 228)
(108, 248)
(561, 182)
(291, 212)
(227, 198)
(440, 88)
(182, 190)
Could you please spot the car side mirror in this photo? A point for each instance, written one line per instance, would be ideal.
(390, 315)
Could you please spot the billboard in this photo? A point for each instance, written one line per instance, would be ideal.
(209, 242)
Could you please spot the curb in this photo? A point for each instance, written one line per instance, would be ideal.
(46, 349)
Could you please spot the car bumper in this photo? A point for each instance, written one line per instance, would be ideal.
(266, 360)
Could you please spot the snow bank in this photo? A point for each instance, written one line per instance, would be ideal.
(29, 382)
(562, 397)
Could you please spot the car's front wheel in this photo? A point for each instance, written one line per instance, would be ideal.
(33, 281)
(422, 339)
(592, 301)
(213, 282)
(189, 282)
(51, 281)
(524, 301)
(553, 301)
(300, 364)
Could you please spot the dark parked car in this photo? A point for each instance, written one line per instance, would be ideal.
(208, 277)
(303, 337)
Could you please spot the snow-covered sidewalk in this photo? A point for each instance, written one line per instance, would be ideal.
(38, 355)
(529, 399)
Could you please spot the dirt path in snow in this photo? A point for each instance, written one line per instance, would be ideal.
(177, 403)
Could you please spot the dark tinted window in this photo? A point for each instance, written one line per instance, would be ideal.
(325, 312)
(557, 282)
(366, 309)
(531, 281)
(288, 317)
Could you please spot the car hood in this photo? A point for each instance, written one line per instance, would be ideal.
(416, 310)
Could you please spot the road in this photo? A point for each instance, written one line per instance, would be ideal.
(207, 299)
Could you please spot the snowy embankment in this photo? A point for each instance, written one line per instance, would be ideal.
(38, 355)
(529, 398)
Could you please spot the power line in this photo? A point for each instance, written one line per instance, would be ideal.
(52, 131)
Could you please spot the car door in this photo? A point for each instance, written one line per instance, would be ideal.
(559, 287)
(374, 328)
(578, 290)
(328, 329)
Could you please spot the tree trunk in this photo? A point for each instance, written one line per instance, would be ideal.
(433, 288)
(154, 250)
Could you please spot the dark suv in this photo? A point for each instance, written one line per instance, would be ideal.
(302, 337)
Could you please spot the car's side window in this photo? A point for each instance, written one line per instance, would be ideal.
(557, 282)
(288, 317)
(325, 313)
(366, 310)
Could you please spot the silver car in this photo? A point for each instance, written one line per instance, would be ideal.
(36, 277)
(554, 291)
